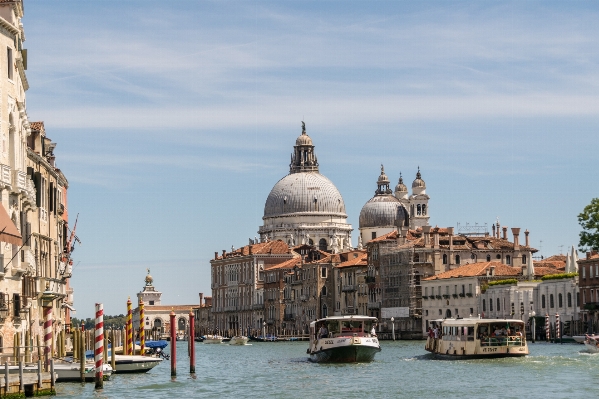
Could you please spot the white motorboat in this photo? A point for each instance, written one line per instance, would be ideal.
(478, 338)
(135, 363)
(343, 339)
(238, 340)
(591, 343)
(579, 338)
(213, 339)
(67, 371)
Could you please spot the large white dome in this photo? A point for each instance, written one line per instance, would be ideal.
(304, 192)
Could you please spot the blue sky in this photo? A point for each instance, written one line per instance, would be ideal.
(175, 119)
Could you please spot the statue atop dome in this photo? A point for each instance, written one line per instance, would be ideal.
(149, 279)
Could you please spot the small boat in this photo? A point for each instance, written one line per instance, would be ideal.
(213, 339)
(591, 343)
(135, 363)
(238, 340)
(67, 371)
(477, 338)
(579, 338)
(343, 339)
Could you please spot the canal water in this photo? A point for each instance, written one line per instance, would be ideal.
(403, 369)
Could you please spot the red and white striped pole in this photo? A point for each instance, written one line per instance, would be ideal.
(47, 335)
(99, 345)
(142, 328)
(192, 346)
(173, 345)
(129, 329)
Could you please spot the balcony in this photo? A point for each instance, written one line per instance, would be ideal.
(348, 287)
(374, 305)
(270, 321)
(296, 282)
(258, 306)
(350, 311)
(304, 298)
(288, 317)
(5, 179)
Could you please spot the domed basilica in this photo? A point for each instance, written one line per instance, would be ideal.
(305, 207)
(386, 212)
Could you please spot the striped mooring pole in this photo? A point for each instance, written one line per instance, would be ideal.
(142, 325)
(558, 332)
(47, 335)
(547, 328)
(99, 345)
(192, 342)
(129, 329)
(173, 345)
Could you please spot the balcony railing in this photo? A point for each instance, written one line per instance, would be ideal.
(348, 287)
(374, 305)
(5, 178)
(304, 298)
(258, 306)
(288, 317)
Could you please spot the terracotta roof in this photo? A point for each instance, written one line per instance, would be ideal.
(38, 126)
(543, 271)
(288, 264)
(360, 260)
(559, 258)
(389, 236)
(479, 269)
(277, 247)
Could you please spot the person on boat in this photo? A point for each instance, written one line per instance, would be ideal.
(323, 332)
(373, 330)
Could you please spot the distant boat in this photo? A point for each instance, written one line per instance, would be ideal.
(70, 371)
(135, 363)
(591, 343)
(238, 340)
(213, 339)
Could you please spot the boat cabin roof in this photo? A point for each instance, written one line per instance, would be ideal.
(476, 321)
(344, 318)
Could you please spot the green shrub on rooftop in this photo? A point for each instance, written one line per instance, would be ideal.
(509, 281)
(559, 276)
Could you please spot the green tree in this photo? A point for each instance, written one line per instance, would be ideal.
(589, 221)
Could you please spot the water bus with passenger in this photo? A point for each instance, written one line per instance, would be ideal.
(477, 338)
(343, 339)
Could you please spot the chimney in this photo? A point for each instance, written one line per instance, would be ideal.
(588, 255)
(504, 233)
(404, 234)
(436, 237)
(450, 232)
(516, 233)
(224, 253)
(215, 255)
(491, 270)
(251, 250)
(201, 298)
(497, 229)
(426, 231)
(526, 233)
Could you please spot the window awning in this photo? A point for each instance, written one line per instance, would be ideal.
(8, 230)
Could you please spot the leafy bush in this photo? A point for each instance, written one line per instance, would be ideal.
(559, 276)
(509, 281)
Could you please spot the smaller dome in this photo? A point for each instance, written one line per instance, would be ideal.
(303, 139)
(383, 179)
(401, 187)
(418, 182)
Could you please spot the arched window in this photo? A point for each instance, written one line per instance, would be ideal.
(569, 297)
(523, 259)
(488, 258)
(490, 304)
(181, 324)
(508, 260)
(322, 244)
(457, 259)
(543, 301)
(484, 306)
(418, 210)
(498, 305)
(423, 209)
(560, 301)
(551, 303)
(412, 210)
(325, 310)
(444, 259)
(310, 242)
(324, 290)
(448, 313)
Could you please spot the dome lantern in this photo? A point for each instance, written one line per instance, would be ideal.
(418, 182)
(383, 183)
(303, 158)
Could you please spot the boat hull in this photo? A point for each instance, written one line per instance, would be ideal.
(69, 372)
(135, 364)
(345, 354)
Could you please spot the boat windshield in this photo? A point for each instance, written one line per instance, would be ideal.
(336, 328)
